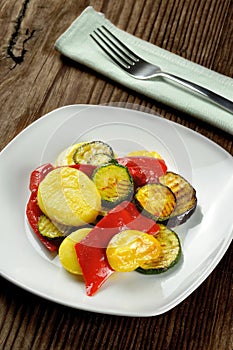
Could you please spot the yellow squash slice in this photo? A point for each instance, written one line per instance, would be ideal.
(69, 197)
(129, 249)
(67, 253)
(66, 156)
(144, 153)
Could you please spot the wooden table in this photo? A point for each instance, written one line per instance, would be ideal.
(35, 80)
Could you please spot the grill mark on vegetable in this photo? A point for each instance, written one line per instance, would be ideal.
(114, 183)
(170, 252)
(156, 199)
(184, 192)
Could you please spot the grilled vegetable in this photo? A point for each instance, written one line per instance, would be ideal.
(156, 201)
(114, 183)
(100, 159)
(185, 194)
(67, 253)
(33, 211)
(121, 199)
(95, 153)
(48, 229)
(69, 197)
(144, 169)
(128, 249)
(85, 168)
(144, 153)
(38, 175)
(91, 251)
(66, 156)
(169, 255)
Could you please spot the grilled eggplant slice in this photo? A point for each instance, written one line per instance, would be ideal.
(114, 184)
(156, 201)
(186, 200)
(170, 253)
(95, 153)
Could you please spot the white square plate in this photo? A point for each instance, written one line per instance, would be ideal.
(205, 237)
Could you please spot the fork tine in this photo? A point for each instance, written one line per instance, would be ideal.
(122, 47)
(113, 47)
(108, 50)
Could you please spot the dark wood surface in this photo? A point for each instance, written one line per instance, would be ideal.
(34, 80)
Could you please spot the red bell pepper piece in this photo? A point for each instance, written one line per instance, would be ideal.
(91, 251)
(33, 211)
(144, 169)
(85, 168)
(38, 175)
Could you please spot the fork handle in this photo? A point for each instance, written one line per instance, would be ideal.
(215, 98)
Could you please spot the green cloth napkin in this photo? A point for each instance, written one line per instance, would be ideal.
(77, 44)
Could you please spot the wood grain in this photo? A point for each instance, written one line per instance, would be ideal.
(34, 80)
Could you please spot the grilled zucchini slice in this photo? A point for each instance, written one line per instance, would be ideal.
(186, 200)
(114, 184)
(169, 256)
(48, 229)
(95, 153)
(101, 158)
(156, 201)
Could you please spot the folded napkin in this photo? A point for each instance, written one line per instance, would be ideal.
(77, 44)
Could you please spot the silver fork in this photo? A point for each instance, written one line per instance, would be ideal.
(138, 68)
